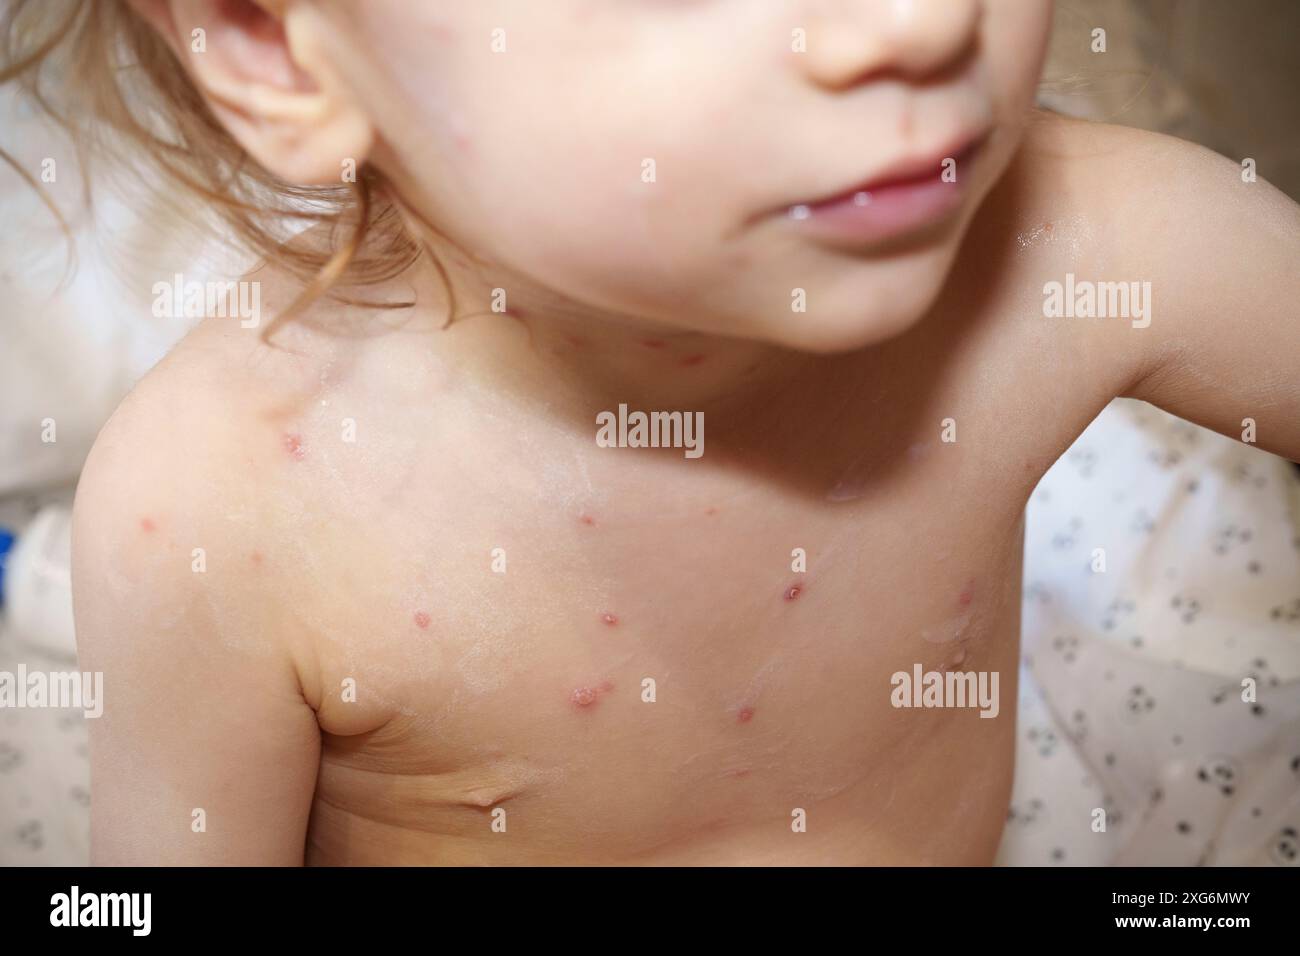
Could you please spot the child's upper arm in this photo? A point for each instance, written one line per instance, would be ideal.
(1223, 259)
(206, 751)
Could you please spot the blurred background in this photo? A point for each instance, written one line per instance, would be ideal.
(1131, 717)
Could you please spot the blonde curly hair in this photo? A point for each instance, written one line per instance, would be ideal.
(122, 95)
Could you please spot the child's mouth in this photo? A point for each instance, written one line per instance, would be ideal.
(911, 196)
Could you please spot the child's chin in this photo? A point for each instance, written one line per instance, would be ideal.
(847, 335)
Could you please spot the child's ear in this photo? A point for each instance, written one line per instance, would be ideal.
(261, 67)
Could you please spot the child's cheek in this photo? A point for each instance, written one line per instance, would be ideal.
(612, 208)
(1016, 39)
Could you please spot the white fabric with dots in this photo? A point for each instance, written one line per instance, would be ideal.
(1131, 696)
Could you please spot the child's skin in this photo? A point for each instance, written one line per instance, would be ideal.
(372, 561)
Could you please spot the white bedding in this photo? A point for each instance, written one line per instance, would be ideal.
(1132, 679)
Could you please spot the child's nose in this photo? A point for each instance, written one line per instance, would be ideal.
(850, 41)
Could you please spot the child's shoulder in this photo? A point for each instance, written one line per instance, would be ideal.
(1130, 176)
(199, 436)
(1202, 242)
(163, 460)
(183, 424)
(187, 429)
(172, 486)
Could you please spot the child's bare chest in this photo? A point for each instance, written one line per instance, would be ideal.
(599, 641)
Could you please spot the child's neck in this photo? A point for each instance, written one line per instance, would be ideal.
(551, 348)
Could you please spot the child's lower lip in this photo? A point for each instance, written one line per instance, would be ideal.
(883, 212)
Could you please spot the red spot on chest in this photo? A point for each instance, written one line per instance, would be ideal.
(583, 697)
(654, 343)
(147, 525)
(745, 715)
(792, 592)
(256, 557)
(421, 619)
(588, 520)
(293, 446)
(610, 619)
(967, 594)
(690, 361)
(586, 697)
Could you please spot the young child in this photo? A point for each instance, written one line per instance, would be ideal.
(393, 585)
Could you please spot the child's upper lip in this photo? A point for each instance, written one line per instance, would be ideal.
(905, 170)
